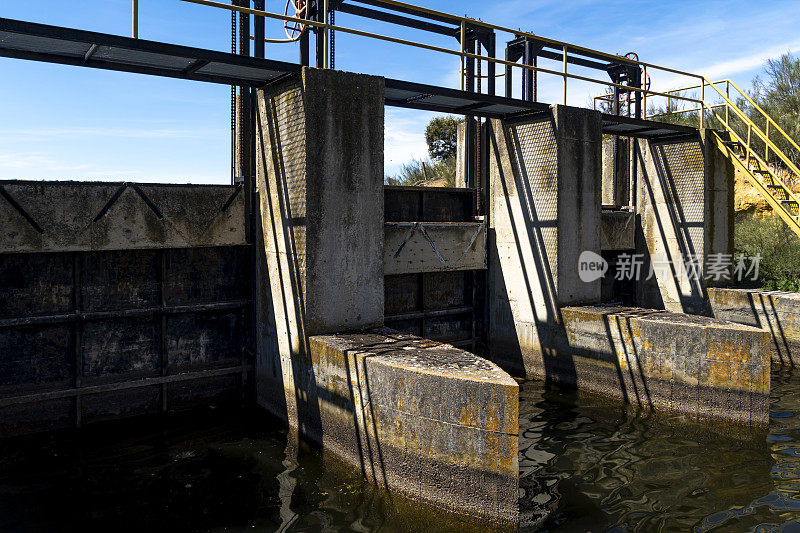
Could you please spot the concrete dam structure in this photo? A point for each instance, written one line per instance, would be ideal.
(385, 323)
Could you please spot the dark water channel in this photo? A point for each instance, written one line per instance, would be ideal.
(585, 465)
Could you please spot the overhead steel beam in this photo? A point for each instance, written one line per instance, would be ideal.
(398, 19)
(407, 11)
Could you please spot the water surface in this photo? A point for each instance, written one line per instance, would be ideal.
(585, 465)
(589, 464)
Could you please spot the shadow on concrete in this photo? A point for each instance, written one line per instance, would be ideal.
(287, 342)
(674, 165)
(767, 318)
(531, 248)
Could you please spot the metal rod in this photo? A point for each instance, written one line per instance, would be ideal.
(702, 103)
(565, 74)
(463, 39)
(766, 144)
(126, 313)
(162, 345)
(125, 385)
(326, 36)
(135, 19)
(429, 314)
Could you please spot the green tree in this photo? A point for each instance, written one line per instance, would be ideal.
(778, 94)
(442, 137)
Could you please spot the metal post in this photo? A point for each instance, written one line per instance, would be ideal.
(470, 77)
(469, 128)
(766, 144)
(565, 74)
(305, 49)
(702, 102)
(643, 84)
(728, 97)
(463, 39)
(509, 75)
(490, 66)
(135, 23)
(326, 37)
(749, 130)
(258, 23)
(527, 74)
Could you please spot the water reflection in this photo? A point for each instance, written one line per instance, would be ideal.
(589, 464)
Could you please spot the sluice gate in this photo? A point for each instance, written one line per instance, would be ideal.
(381, 322)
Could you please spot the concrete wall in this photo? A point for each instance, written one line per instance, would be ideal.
(544, 187)
(42, 216)
(685, 210)
(777, 313)
(700, 366)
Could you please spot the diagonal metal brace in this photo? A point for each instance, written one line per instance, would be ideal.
(409, 233)
(430, 241)
(24, 214)
(473, 239)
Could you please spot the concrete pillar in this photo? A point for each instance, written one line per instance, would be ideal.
(616, 179)
(684, 207)
(545, 185)
(320, 187)
(720, 175)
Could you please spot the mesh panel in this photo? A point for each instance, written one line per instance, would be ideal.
(534, 156)
(685, 167)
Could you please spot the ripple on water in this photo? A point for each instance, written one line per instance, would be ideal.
(586, 463)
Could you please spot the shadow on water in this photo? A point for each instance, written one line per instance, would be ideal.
(587, 464)
(216, 470)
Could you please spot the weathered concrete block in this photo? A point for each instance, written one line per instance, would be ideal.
(667, 361)
(617, 230)
(320, 181)
(413, 247)
(776, 312)
(545, 211)
(417, 417)
(57, 216)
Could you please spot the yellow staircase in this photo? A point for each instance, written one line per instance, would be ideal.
(751, 149)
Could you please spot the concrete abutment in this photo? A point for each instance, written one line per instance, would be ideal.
(545, 220)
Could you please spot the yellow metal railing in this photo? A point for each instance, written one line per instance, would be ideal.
(747, 135)
(758, 146)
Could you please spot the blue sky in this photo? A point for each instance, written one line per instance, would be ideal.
(60, 122)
